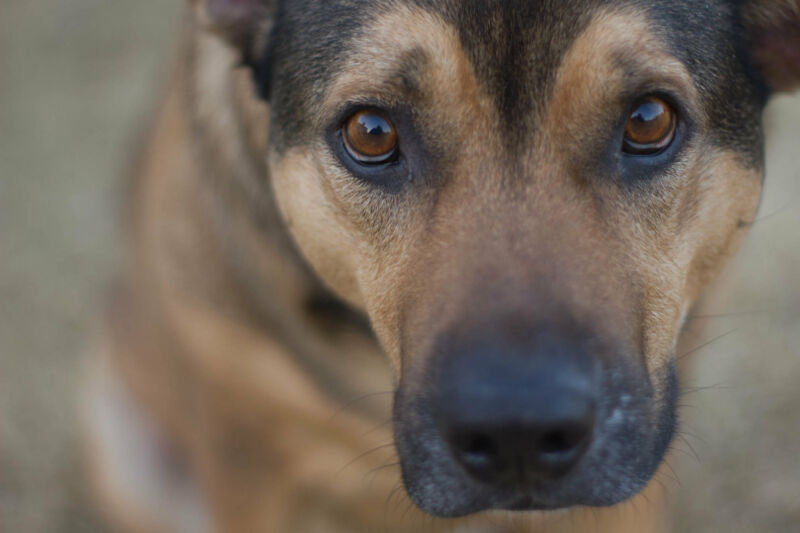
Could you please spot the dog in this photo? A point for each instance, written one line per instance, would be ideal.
(411, 265)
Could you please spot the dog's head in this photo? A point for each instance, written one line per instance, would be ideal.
(525, 197)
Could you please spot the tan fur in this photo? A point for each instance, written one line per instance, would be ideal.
(269, 448)
(362, 253)
(675, 266)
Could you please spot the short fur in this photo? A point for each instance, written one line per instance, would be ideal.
(276, 301)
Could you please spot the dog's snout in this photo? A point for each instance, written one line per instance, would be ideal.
(523, 415)
(517, 418)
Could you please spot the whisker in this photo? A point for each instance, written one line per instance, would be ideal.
(663, 486)
(676, 449)
(674, 473)
(379, 468)
(350, 403)
(732, 314)
(378, 427)
(788, 205)
(683, 438)
(695, 436)
(392, 494)
(791, 308)
(692, 390)
(706, 344)
(366, 453)
(409, 506)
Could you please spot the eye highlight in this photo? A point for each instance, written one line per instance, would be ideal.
(370, 137)
(650, 127)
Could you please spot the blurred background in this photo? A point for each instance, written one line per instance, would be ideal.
(78, 81)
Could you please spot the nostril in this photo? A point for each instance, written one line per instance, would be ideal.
(478, 445)
(562, 440)
(555, 442)
(479, 453)
(557, 450)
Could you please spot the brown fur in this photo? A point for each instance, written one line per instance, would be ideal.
(265, 427)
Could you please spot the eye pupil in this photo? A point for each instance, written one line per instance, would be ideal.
(650, 127)
(370, 137)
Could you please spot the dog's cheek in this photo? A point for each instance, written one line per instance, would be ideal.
(320, 230)
(729, 199)
(712, 221)
(356, 245)
(701, 224)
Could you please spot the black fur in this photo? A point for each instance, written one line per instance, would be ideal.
(516, 47)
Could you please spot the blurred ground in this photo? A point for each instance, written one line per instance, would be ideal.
(77, 80)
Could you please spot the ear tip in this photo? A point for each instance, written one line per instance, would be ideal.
(234, 20)
(774, 28)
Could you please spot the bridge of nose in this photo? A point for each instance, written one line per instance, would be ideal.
(492, 247)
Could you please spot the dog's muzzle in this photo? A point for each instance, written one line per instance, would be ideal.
(545, 422)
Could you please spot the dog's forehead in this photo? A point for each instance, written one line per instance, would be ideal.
(515, 48)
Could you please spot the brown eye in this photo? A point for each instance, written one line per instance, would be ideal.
(650, 127)
(370, 137)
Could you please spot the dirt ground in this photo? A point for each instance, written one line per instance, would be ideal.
(77, 80)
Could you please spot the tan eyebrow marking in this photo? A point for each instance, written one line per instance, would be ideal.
(597, 70)
(416, 38)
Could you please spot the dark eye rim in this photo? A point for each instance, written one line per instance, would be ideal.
(640, 170)
(633, 149)
(370, 162)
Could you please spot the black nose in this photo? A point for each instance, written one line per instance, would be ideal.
(516, 419)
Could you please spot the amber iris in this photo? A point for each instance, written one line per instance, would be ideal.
(650, 127)
(370, 137)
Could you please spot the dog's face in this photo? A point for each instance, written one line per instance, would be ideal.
(525, 197)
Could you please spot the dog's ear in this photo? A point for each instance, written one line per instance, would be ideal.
(238, 21)
(773, 28)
